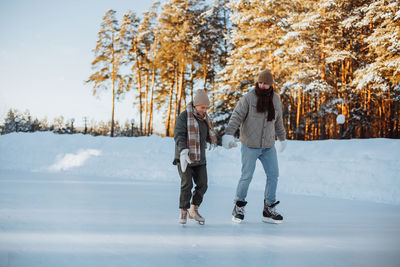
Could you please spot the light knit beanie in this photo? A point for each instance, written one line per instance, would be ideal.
(266, 77)
(201, 98)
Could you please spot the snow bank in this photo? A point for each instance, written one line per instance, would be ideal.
(360, 169)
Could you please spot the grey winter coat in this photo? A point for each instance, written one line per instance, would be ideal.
(255, 130)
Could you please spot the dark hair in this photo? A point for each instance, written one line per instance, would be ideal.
(257, 87)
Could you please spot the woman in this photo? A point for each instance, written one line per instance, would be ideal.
(193, 129)
(259, 115)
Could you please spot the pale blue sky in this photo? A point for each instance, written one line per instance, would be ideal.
(45, 55)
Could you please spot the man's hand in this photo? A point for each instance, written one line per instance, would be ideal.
(281, 145)
(228, 141)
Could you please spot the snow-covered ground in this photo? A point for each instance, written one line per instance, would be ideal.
(75, 200)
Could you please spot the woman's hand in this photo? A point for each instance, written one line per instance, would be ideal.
(184, 159)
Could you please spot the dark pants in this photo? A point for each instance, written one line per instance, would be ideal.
(198, 174)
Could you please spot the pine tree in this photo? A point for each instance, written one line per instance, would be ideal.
(132, 56)
(107, 62)
(211, 43)
(147, 40)
(10, 122)
(177, 28)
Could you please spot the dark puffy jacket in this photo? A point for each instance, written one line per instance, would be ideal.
(181, 134)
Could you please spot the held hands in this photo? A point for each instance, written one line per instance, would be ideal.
(184, 159)
(228, 141)
(281, 145)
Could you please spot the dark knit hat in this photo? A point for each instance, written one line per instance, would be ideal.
(266, 77)
(201, 98)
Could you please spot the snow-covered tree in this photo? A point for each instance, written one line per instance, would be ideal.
(381, 72)
(211, 43)
(257, 28)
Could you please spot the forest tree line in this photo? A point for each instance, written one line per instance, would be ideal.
(328, 57)
(16, 121)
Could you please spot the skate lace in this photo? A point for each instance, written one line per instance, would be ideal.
(272, 209)
(240, 210)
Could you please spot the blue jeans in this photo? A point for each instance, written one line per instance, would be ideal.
(269, 160)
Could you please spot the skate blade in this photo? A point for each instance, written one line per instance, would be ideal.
(236, 220)
(199, 222)
(271, 221)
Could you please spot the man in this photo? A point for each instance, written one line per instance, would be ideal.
(259, 115)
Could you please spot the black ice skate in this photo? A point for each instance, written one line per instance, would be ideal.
(270, 215)
(238, 211)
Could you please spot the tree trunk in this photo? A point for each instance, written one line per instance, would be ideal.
(139, 79)
(113, 107)
(113, 78)
(298, 113)
(168, 122)
(205, 72)
(323, 119)
(390, 123)
(192, 84)
(289, 120)
(176, 98)
(146, 105)
(180, 91)
(150, 123)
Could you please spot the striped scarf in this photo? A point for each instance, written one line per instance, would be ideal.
(194, 132)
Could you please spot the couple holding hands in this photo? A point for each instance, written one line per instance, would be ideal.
(259, 116)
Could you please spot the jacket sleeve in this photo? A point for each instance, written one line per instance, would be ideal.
(279, 129)
(180, 132)
(239, 114)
